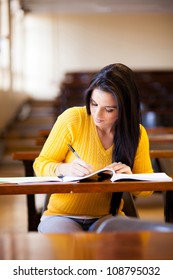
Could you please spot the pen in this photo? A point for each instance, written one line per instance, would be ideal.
(73, 151)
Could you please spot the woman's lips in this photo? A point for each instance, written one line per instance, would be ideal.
(98, 120)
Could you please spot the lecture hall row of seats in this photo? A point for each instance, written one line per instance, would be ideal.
(155, 87)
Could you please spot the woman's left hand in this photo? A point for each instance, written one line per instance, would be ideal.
(119, 167)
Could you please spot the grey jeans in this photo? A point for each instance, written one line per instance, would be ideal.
(60, 224)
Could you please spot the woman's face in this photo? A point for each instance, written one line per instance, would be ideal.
(104, 109)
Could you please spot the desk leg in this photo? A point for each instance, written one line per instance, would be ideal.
(168, 198)
(168, 206)
(33, 215)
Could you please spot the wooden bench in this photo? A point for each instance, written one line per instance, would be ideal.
(160, 130)
(156, 135)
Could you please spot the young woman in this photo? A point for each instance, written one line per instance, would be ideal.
(105, 132)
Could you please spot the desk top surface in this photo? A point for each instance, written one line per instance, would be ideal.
(162, 138)
(87, 246)
(84, 187)
(31, 155)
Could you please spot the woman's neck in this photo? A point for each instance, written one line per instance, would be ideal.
(106, 137)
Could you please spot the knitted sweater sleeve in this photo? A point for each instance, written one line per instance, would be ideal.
(55, 148)
(142, 163)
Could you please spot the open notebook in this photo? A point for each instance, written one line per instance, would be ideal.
(97, 175)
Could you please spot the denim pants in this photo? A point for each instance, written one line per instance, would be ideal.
(60, 224)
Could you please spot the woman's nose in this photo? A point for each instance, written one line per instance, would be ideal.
(98, 113)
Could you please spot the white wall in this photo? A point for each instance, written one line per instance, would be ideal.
(141, 41)
(55, 45)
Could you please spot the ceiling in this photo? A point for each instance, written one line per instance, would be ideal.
(96, 6)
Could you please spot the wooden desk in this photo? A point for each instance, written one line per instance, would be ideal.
(43, 133)
(161, 138)
(87, 246)
(28, 157)
(42, 136)
(168, 195)
(157, 135)
(84, 187)
(151, 130)
(161, 154)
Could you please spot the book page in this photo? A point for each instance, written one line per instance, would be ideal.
(33, 179)
(96, 174)
(158, 176)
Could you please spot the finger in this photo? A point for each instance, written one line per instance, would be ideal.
(123, 169)
(80, 169)
(115, 165)
(85, 165)
(119, 167)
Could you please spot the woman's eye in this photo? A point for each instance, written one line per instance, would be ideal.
(93, 103)
(109, 110)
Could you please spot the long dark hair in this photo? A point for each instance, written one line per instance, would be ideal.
(118, 80)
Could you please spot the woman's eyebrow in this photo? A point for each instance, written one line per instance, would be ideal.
(93, 100)
(113, 106)
(107, 106)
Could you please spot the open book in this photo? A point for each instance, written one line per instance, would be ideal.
(100, 175)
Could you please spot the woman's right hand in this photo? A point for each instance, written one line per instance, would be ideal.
(77, 168)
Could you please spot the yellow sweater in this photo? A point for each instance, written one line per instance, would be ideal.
(77, 128)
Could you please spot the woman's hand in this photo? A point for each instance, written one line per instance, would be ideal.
(119, 167)
(78, 168)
